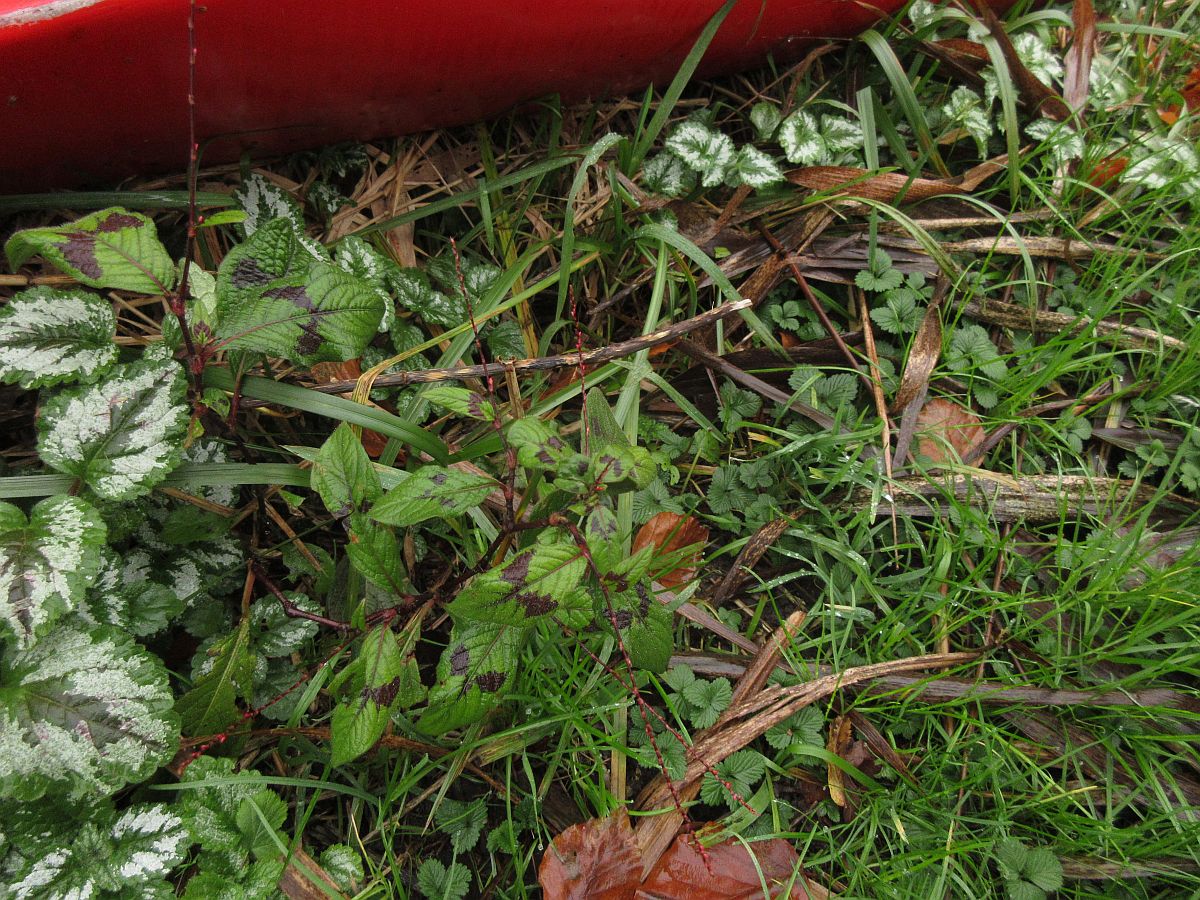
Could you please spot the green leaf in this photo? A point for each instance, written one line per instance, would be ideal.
(461, 401)
(803, 727)
(103, 855)
(278, 298)
(112, 248)
(602, 427)
(604, 540)
(708, 700)
(259, 819)
(726, 492)
(342, 473)
(437, 882)
(463, 821)
(379, 680)
(737, 405)
(211, 704)
(432, 492)
(375, 552)
(741, 771)
(539, 581)
(623, 467)
(473, 674)
(82, 712)
(48, 337)
(505, 340)
(1010, 855)
(1043, 869)
(538, 445)
(122, 436)
(47, 563)
(644, 625)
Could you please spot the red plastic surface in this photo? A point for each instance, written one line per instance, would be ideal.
(92, 90)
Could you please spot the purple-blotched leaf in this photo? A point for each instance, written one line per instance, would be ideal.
(432, 492)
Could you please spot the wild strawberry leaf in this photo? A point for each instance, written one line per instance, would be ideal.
(475, 672)
(82, 712)
(461, 401)
(122, 436)
(380, 679)
(536, 582)
(277, 297)
(112, 248)
(46, 563)
(432, 492)
(48, 337)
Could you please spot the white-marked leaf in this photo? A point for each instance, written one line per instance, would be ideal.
(765, 117)
(474, 673)
(379, 680)
(701, 148)
(754, 168)
(801, 140)
(46, 563)
(461, 401)
(276, 298)
(100, 856)
(414, 292)
(275, 632)
(122, 436)
(126, 595)
(668, 175)
(112, 248)
(360, 259)
(432, 492)
(48, 336)
(82, 712)
(263, 201)
(211, 814)
(538, 581)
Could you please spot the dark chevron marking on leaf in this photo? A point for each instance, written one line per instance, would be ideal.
(247, 272)
(294, 294)
(621, 619)
(536, 604)
(517, 571)
(310, 340)
(475, 405)
(80, 251)
(439, 479)
(488, 682)
(384, 695)
(460, 660)
(644, 596)
(118, 221)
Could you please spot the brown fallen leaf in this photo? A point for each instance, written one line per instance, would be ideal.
(731, 873)
(671, 534)
(890, 187)
(595, 860)
(946, 431)
(328, 373)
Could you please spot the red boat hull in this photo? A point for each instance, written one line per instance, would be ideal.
(94, 90)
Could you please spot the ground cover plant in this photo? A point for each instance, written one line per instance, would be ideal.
(785, 484)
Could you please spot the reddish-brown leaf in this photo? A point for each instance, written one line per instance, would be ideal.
(329, 372)
(670, 533)
(595, 860)
(731, 873)
(946, 431)
(1107, 170)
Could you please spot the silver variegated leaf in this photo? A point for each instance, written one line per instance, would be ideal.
(48, 337)
(46, 563)
(82, 713)
(102, 856)
(122, 436)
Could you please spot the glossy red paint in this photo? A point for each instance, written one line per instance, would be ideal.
(92, 90)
